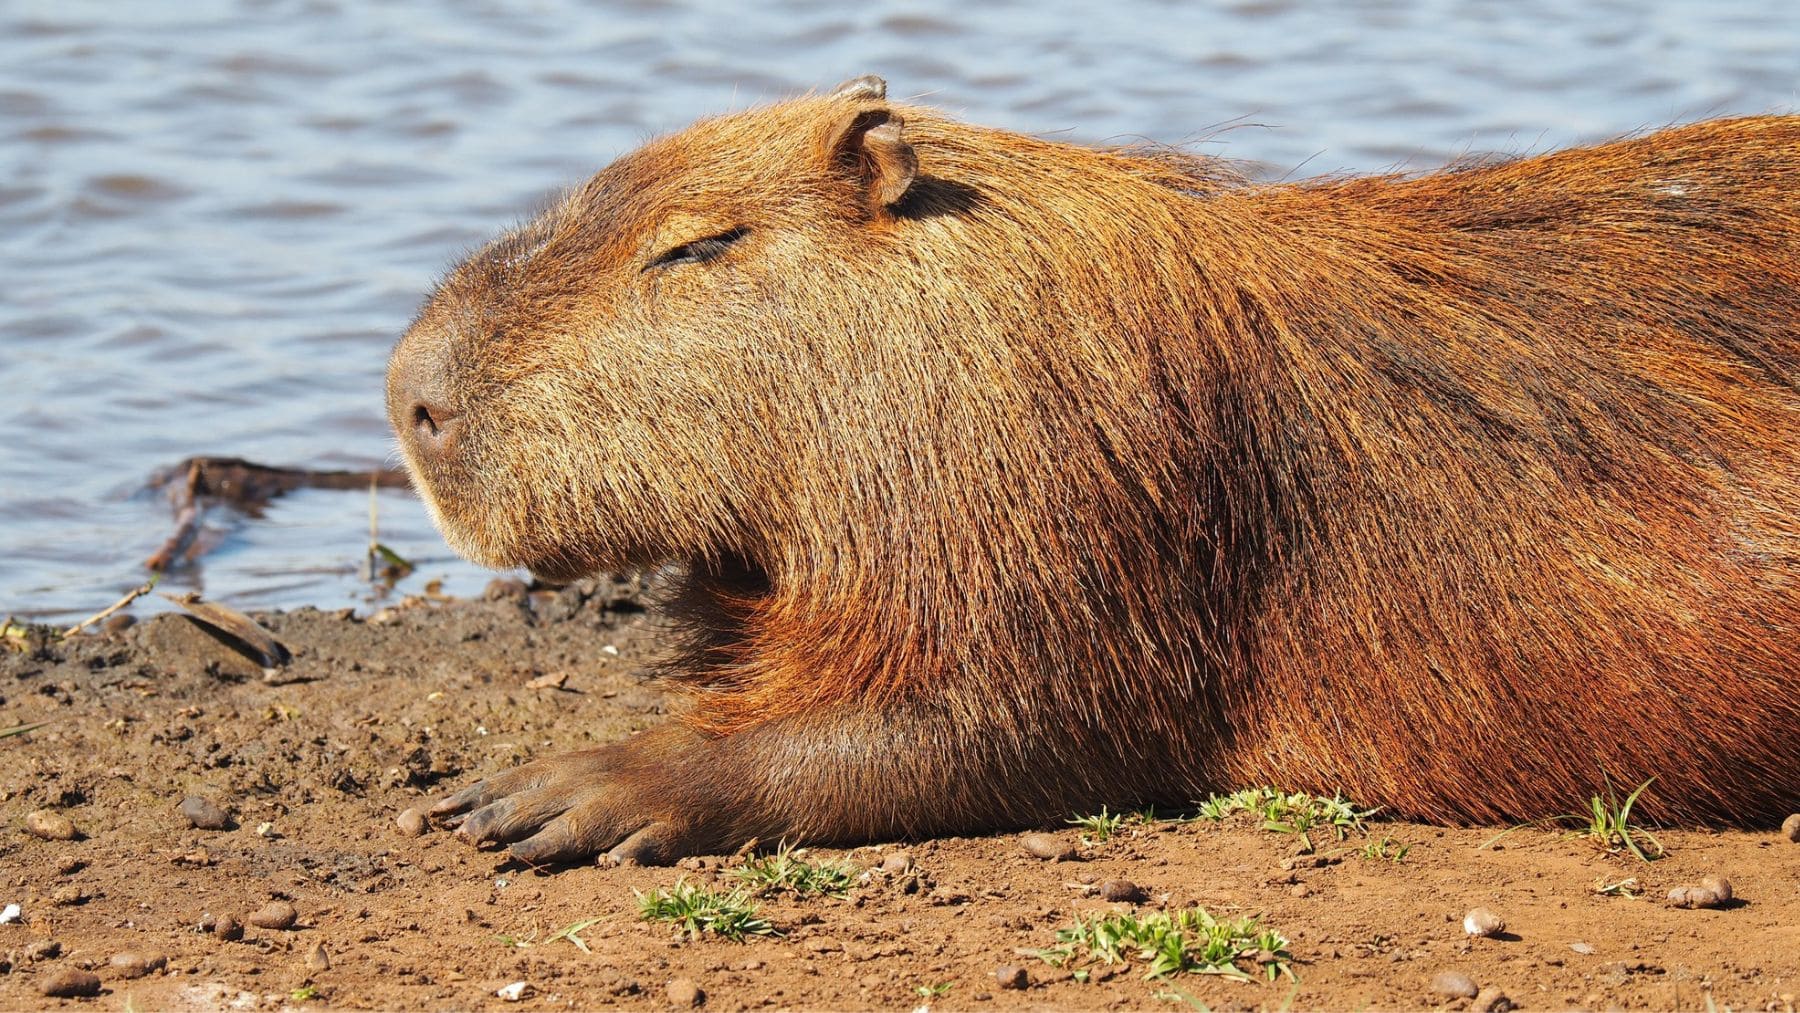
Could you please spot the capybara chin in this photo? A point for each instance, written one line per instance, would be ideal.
(1014, 478)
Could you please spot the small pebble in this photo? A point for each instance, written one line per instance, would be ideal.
(70, 865)
(202, 814)
(1694, 896)
(10, 913)
(1719, 885)
(1047, 847)
(1454, 983)
(1300, 890)
(1582, 948)
(1490, 1000)
(277, 914)
(317, 959)
(514, 992)
(683, 993)
(51, 826)
(896, 863)
(68, 896)
(1122, 891)
(131, 964)
(411, 822)
(1481, 922)
(70, 983)
(43, 949)
(505, 588)
(228, 928)
(1790, 828)
(1012, 976)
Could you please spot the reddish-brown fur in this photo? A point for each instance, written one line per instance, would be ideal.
(1015, 478)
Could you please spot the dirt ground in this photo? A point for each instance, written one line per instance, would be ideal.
(377, 713)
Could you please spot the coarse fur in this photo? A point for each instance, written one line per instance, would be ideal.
(1016, 477)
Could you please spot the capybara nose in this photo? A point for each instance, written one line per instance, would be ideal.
(425, 417)
(434, 427)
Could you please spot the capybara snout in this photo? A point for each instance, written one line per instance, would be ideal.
(1013, 477)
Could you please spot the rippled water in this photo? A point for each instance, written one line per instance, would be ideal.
(215, 216)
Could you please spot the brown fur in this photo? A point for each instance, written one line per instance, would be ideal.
(1079, 476)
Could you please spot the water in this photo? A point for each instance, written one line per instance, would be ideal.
(216, 216)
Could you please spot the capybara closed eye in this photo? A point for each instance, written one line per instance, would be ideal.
(1013, 478)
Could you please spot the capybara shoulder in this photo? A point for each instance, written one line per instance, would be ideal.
(1013, 477)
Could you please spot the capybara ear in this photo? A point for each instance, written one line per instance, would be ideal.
(868, 144)
(867, 86)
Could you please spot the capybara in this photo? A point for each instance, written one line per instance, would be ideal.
(1011, 478)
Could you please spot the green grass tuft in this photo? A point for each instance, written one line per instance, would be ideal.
(1385, 850)
(1289, 813)
(787, 870)
(1607, 825)
(1098, 828)
(1190, 941)
(697, 909)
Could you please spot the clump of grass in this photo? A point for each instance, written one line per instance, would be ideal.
(1098, 828)
(787, 870)
(697, 909)
(1294, 813)
(1385, 850)
(933, 991)
(1607, 825)
(1190, 941)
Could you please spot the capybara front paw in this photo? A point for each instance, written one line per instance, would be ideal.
(573, 807)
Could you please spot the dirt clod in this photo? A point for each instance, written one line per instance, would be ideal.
(277, 914)
(43, 949)
(1719, 885)
(1012, 976)
(1123, 891)
(133, 964)
(51, 826)
(411, 822)
(70, 983)
(897, 863)
(1047, 847)
(1490, 1000)
(1481, 922)
(228, 928)
(317, 959)
(1689, 896)
(68, 896)
(202, 814)
(684, 993)
(1454, 983)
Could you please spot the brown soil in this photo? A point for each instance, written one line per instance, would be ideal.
(405, 704)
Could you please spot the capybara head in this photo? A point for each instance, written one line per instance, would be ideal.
(639, 373)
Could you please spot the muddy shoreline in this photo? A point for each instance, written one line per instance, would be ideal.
(376, 713)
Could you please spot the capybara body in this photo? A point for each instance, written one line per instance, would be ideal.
(1014, 478)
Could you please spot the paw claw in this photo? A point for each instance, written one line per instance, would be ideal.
(460, 802)
(656, 844)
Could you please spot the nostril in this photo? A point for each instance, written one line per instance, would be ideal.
(431, 420)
